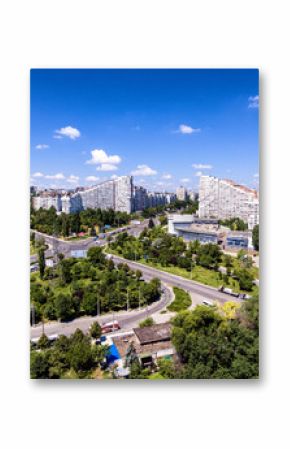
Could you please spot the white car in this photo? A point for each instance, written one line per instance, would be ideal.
(205, 302)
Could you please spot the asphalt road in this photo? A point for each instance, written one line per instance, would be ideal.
(177, 281)
(127, 320)
(65, 247)
(171, 279)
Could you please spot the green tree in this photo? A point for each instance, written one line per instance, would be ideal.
(39, 365)
(43, 342)
(63, 306)
(151, 223)
(80, 355)
(255, 237)
(65, 225)
(90, 302)
(245, 279)
(95, 330)
(167, 369)
(64, 268)
(211, 346)
(147, 322)
(96, 256)
(41, 262)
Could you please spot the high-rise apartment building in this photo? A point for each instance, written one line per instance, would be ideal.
(140, 198)
(71, 203)
(181, 193)
(225, 199)
(46, 200)
(114, 194)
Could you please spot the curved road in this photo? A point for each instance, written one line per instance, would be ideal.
(177, 281)
(127, 320)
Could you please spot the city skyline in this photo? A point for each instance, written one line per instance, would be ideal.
(164, 127)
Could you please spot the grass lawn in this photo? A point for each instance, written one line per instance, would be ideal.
(181, 302)
(199, 274)
(69, 239)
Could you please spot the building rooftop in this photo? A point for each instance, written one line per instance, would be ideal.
(122, 343)
(155, 333)
(200, 229)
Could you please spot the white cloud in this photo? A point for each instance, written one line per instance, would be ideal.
(143, 170)
(198, 173)
(92, 178)
(38, 175)
(56, 176)
(202, 166)
(100, 156)
(185, 180)
(167, 176)
(73, 179)
(67, 131)
(186, 129)
(114, 176)
(107, 167)
(256, 175)
(41, 146)
(253, 102)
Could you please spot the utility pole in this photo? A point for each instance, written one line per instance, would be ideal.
(128, 304)
(32, 315)
(139, 298)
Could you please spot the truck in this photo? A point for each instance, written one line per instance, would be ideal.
(228, 291)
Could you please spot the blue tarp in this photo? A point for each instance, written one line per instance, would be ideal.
(113, 354)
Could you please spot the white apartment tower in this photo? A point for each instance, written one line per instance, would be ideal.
(181, 193)
(224, 199)
(114, 194)
(46, 201)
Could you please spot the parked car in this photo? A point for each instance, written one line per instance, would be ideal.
(110, 327)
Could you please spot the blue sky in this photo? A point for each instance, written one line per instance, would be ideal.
(165, 127)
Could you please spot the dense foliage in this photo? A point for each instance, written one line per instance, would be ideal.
(74, 356)
(89, 286)
(235, 224)
(256, 237)
(186, 207)
(147, 322)
(210, 345)
(193, 259)
(48, 222)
